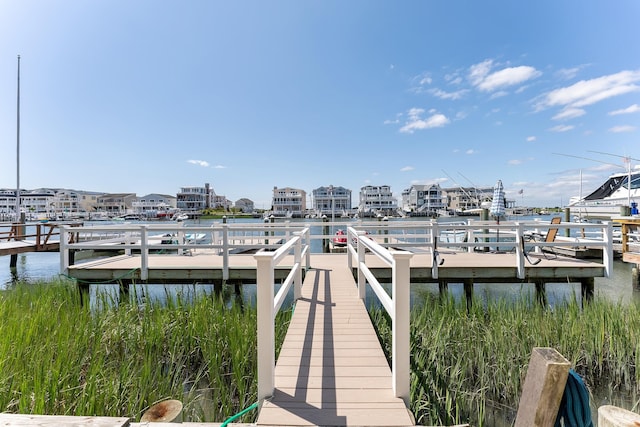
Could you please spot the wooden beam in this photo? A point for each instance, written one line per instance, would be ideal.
(543, 388)
(611, 416)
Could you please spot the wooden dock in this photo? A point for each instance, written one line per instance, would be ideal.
(205, 266)
(331, 369)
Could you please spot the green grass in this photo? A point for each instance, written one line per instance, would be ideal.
(58, 357)
(469, 365)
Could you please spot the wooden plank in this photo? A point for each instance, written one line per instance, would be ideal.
(543, 388)
(331, 369)
(611, 416)
(60, 420)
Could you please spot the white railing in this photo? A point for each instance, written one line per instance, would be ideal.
(477, 236)
(268, 305)
(396, 304)
(222, 239)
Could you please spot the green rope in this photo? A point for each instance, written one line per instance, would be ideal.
(239, 414)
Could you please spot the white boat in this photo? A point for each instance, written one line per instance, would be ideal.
(178, 216)
(610, 199)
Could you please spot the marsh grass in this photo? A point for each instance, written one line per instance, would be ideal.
(469, 365)
(59, 357)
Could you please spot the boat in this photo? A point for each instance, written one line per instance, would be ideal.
(127, 217)
(340, 240)
(179, 216)
(612, 198)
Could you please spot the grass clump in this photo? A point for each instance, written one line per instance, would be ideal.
(470, 365)
(59, 357)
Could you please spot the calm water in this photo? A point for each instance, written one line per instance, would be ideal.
(43, 266)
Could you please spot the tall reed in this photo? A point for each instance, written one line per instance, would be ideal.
(117, 359)
(469, 365)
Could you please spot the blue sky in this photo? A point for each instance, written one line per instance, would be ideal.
(150, 96)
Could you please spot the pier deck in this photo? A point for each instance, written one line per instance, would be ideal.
(331, 369)
(207, 267)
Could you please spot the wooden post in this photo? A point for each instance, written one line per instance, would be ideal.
(400, 338)
(611, 416)
(543, 388)
(587, 285)
(634, 277)
(266, 333)
(325, 231)
(443, 287)
(541, 292)
(468, 292)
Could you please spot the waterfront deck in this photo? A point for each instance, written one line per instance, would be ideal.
(331, 369)
(207, 267)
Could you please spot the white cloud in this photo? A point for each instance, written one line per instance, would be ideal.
(406, 169)
(568, 73)
(619, 129)
(630, 109)
(202, 163)
(470, 151)
(439, 93)
(416, 122)
(588, 92)
(514, 162)
(480, 76)
(561, 128)
(219, 167)
(569, 113)
(531, 138)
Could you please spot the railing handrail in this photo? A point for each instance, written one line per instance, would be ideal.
(268, 305)
(397, 304)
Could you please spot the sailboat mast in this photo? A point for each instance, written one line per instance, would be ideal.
(18, 148)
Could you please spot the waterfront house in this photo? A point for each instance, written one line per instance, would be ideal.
(245, 205)
(289, 202)
(154, 204)
(465, 198)
(377, 200)
(423, 199)
(116, 203)
(331, 201)
(193, 199)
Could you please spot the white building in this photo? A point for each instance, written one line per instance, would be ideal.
(192, 199)
(245, 205)
(377, 200)
(116, 203)
(155, 204)
(289, 202)
(423, 199)
(332, 201)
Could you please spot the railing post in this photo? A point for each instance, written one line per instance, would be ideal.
(64, 250)
(297, 256)
(38, 236)
(519, 251)
(307, 239)
(362, 282)
(181, 241)
(144, 253)
(607, 250)
(225, 252)
(434, 248)
(265, 329)
(471, 234)
(400, 326)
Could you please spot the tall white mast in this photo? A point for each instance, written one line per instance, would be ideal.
(18, 149)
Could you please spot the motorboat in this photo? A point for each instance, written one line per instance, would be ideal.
(610, 199)
(340, 239)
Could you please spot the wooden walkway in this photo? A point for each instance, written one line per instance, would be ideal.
(331, 369)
